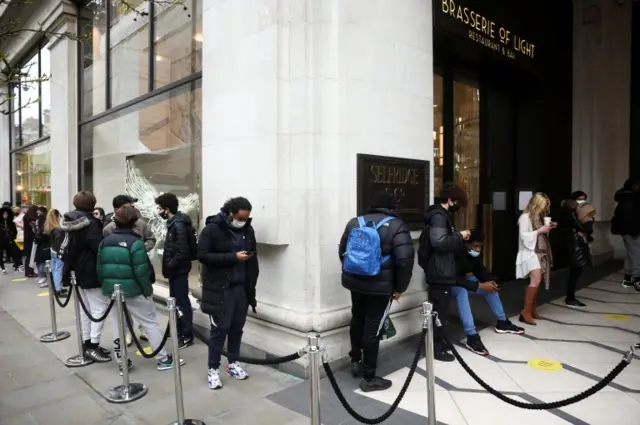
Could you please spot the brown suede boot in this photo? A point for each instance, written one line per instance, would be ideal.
(534, 309)
(529, 298)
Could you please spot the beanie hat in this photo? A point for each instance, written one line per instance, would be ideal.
(383, 199)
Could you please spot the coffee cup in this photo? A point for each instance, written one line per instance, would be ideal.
(547, 221)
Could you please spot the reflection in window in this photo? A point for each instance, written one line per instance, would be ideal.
(30, 102)
(466, 149)
(178, 38)
(146, 152)
(45, 91)
(438, 134)
(129, 38)
(94, 25)
(32, 175)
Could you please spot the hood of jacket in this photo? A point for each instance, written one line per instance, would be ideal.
(74, 221)
(180, 217)
(624, 195)
(8, 211)
(222, 219)
(435, 210)
(569, 204)
(384, 211)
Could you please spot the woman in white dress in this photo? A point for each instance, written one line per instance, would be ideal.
(534, 258)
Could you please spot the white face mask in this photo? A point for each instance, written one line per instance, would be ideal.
(581, 201)
(238, 224)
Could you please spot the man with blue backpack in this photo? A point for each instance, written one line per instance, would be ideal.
(377, 258)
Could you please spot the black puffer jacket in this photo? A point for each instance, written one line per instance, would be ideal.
(567, 235)
(86, 231)
(395, 241)
(8, 229)
(446, 245)
(217, 253)
(625, 219)
(44, 243)
(176, 258)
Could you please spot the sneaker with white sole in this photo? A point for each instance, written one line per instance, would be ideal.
(234, 370)
(168, 363)
(4, 271)
(215, 383)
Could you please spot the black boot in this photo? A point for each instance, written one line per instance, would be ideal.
(356, 369)
(374, 384)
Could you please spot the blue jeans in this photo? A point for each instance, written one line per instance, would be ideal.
(41, 271)
(56, 271)
(461, 295)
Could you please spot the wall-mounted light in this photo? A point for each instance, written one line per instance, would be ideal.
(159, 58)
(198, 37)
(19, 188)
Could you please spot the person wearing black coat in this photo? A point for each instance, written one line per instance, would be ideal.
(227, 251)
(626, 223)
(8, 234)
(445, 247)
(80, 254)
(30, 228)
(42, 246)
(176, 261)
(371, 296)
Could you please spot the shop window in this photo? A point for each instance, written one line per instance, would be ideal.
(129, 39)
(94, 26)
(438, 133)
(466, 149)
(178, 45)
(29, 102)
(32, 175)
(146, 151)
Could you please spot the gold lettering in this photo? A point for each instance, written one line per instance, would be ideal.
(445, 6)
(492, 30)
(484, 25)
(459, 15)
(466, 16)
(383, 174)
(452, 8)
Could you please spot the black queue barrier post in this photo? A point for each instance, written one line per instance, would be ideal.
(79, 360)
(127, 392)
(177, 373)
(54, 335)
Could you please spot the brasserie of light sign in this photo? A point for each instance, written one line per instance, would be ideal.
(487, 32)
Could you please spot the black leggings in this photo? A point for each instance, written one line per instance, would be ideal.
(572, 282)
(12, 252)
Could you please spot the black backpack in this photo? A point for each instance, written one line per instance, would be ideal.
(424, 248)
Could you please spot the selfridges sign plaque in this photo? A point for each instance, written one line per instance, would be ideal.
(483, 30)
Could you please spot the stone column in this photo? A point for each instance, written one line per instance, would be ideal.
(64, 123)
(293, 90)
(602, 46)
(5, 157)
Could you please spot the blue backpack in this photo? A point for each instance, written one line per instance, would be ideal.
(363, 256)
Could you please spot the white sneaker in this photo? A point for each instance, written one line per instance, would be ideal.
(214, 379)
(234, 370)
(42, 280)
(4, 271)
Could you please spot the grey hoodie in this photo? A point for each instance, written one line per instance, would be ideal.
(141, 228)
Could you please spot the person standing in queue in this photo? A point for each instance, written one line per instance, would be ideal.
(374, 288)
(8, 234)
(227, 251)
(626, 223)
(179, 250)
(440, 245)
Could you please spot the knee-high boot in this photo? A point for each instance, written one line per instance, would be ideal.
(534, 309)
(526, 315)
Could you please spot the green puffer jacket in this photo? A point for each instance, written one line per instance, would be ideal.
(122, 259)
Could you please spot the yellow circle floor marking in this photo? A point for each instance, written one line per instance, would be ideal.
(147, 351)
(546, 365)
(617, 317)
(43, 294)
(20, 279)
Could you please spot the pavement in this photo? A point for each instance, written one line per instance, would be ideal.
(568, 352)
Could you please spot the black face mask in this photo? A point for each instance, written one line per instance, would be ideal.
(454, 208)
(163, 215)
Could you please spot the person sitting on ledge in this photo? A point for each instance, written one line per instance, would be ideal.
(473, 278)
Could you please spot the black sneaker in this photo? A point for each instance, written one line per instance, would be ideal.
(185, 342)
(474, 343)
(374, 384)
(444, 356)
(506, 327)
(627, 282)
(356, 369)
(97, 353)
(131, 366)
(575, 303)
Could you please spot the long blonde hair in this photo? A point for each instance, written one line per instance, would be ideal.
(539, 206)
(53, 221)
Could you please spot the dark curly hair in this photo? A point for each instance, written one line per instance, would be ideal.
(168, 200)
(234, 205)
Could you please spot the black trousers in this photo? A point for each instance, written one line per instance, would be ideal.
(367, 312)
(572, 282)
(439, 296)
(13, 252)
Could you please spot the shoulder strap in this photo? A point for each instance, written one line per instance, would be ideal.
(361, 221)
(384, 221)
